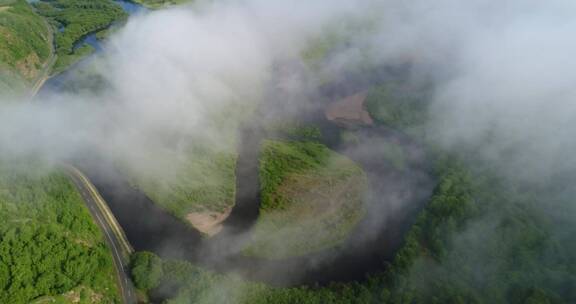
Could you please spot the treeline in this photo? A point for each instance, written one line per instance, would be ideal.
(483, 238)
(48, 242)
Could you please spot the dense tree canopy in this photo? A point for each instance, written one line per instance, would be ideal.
(48, 242)
(479, 240)
(146, 269)
(73, 20)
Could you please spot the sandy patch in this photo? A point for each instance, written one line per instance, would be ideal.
(4, 8)
(350, 111)
(208, 222)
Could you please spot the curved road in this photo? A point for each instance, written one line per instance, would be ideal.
(47, 68)
(98, 208)
(103, 217)
(113, 233)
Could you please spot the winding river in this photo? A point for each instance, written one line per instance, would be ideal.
(59, 82)
(394, 199)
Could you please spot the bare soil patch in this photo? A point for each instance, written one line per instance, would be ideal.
(208, 222)
(350, 111)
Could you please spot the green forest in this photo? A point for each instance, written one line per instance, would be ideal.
(74, 19)
(446, 258)
(482, 238)
(49, 246)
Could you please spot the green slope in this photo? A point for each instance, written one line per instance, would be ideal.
(24, 45)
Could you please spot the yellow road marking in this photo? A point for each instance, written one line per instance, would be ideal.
(101, 204)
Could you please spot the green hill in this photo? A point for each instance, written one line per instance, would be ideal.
(25, 46)
(311, 199)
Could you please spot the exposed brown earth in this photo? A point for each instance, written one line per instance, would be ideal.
(349, 111)
(208, 222)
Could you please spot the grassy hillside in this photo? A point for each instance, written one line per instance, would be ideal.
(311, 199)
(74, 19)
(49, 246)
(24, 45)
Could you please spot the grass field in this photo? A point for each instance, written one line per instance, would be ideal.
(311, 199)
(24, 45)
(50, 249)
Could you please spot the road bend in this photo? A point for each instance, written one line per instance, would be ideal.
(113, 233)
(104, 218)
